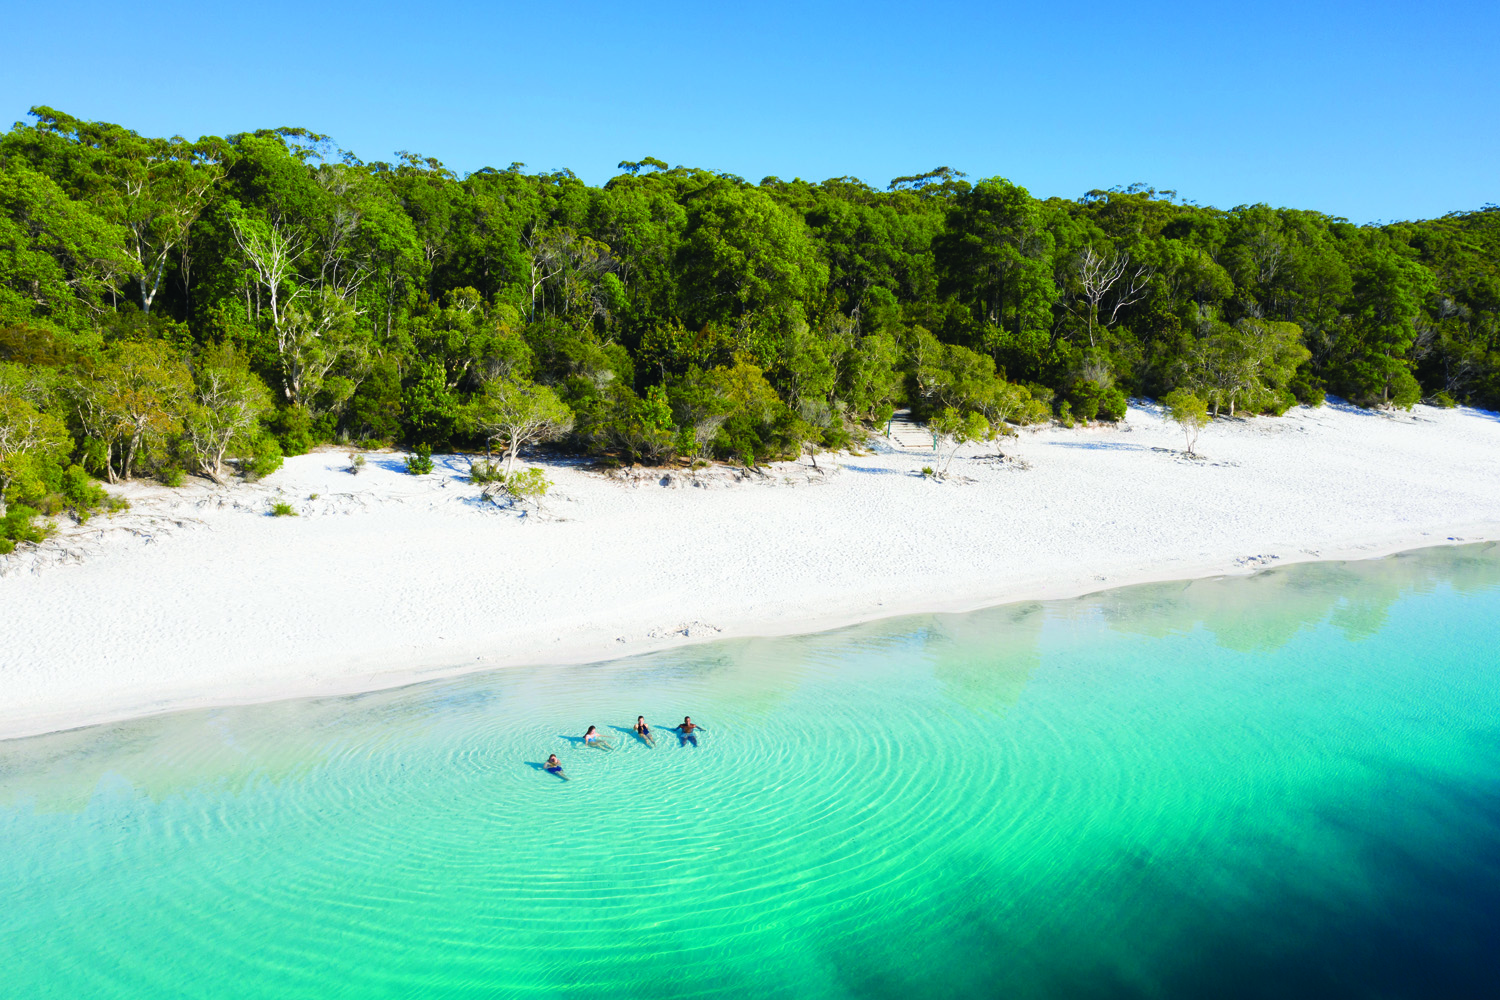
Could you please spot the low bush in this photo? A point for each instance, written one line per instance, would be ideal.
(527, 484)
(172, 476)
(1307, 388)
(18, 525)
(420, 462)
(265, 456)
(1112, 405)
(282, 510)
(486, 471)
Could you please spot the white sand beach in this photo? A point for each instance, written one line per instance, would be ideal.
(197, 597)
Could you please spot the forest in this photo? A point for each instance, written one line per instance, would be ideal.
(172, 307)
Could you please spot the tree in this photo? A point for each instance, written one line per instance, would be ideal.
(1388, 296)
(743, 254)
(1099, 273)
(55, 256)
(809, 425)
(519, 413)
(153, 189)
(228, 401)
(700, 409)
(954, 430)
(26, 433)
(997, 256)
(1249, 364)
(136, 393)
(1188, 412)
(571, 263)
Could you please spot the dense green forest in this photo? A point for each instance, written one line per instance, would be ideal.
(172, 307)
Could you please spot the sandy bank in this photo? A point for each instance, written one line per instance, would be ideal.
(197, 597)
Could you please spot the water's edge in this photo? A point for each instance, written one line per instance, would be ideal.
(383, 677)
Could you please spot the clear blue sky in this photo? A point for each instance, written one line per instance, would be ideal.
(1373, 111)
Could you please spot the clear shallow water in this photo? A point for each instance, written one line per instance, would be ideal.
(1285, 786)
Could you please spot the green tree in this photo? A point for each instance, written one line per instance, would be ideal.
(224, 413)
(997, 257)
(55, 256)
(516, 414)
(136, 393)
(26, 435)
(153, 189)
(1189, 413)
(744, 254)
(955, 429)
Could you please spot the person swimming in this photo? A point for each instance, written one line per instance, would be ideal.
(554, 766)
(593, 739)
(644, 730)
(686, 732)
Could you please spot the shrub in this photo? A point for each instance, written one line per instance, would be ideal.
(1086, 398)
(486, 471)
(927, 471)
(1278, 401)
(420, 463)
(282, 510)
(171, 476)
(17, 526)
(1404, 390)
(1307, 388)
(1065, 413)
(1112, 405)
(82, 494)
(265, 456)
(356, 463)
(293, 427)
(527, 483)
(1444, 400)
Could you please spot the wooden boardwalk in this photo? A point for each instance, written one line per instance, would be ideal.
(908, 435)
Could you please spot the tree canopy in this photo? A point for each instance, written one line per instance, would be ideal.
(177, 303)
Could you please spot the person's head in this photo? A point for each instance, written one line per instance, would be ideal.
(591, 729)
(640, 718)
(552, 759)
(687, 718)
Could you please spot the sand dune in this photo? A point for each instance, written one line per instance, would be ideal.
(197, 597)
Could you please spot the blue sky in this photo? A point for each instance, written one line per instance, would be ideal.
(1373, 111)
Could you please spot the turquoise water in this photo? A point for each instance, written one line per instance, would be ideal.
(1287, 785)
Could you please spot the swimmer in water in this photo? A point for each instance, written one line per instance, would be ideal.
(554, 766)
(644, 730)
(686, 731)
(593, 739)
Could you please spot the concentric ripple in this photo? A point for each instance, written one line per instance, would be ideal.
(1059, 800)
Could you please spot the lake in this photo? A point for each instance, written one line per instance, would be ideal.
(1282, 785)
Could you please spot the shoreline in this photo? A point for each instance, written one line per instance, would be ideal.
(588, 652)
(197, 600)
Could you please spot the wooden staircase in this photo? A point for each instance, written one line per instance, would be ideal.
(905, 433)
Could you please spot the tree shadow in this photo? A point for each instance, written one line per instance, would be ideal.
(1099, 445)
(388, 463)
